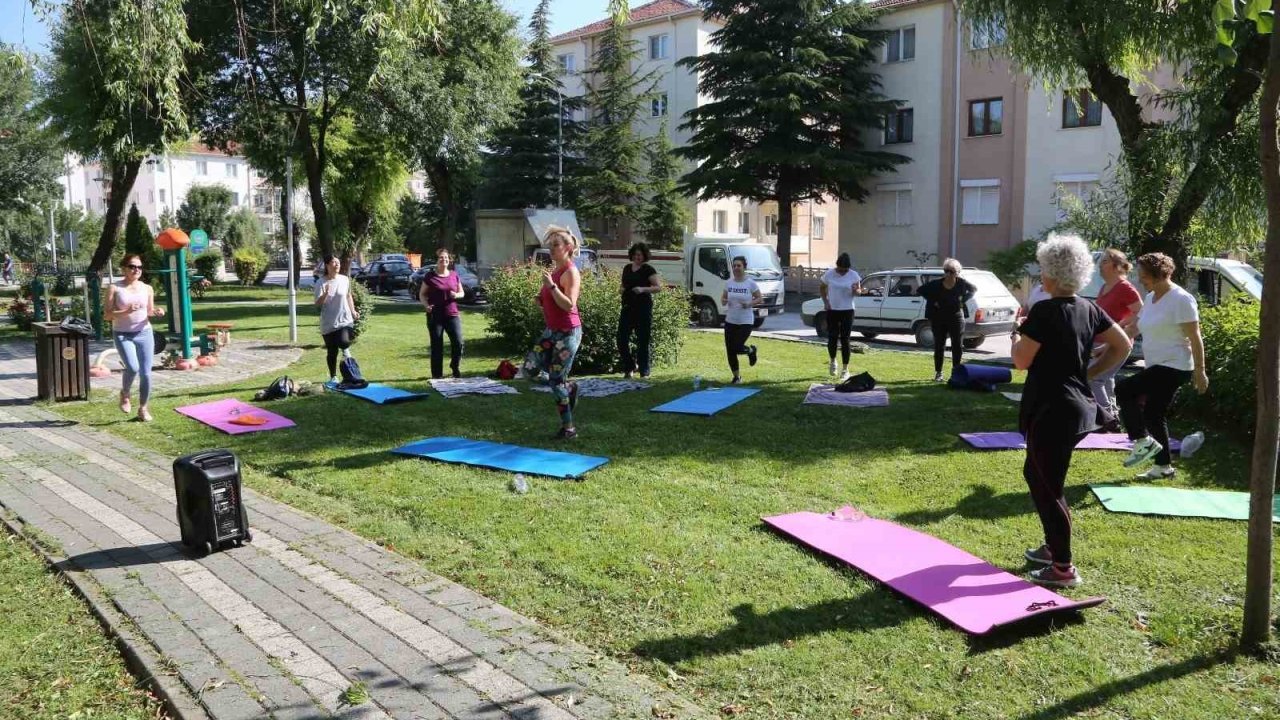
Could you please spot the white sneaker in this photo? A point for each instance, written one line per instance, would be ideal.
(333, 380)
(1143, 450)
(844, 375)
(937, 377)
(1157, 472)
(831, 368)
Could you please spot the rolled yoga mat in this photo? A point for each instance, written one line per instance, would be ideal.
(968, 592)
(498, 456)
(1012, 440)
(234, 417)
(1177, 502)
(706, 402)
(378, 393)
(980, 377)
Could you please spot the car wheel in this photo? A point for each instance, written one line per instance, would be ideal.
(757, 322)
(973, 343)
(924, 336)
(820, 324)
(708, 317)
(869, 335)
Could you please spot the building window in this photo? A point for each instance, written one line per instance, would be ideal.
(819, 227)
(986, 117)
(987, 35)
(202, 167)
(233, 170)
(151, 196)
(162, 196)
(658, 106)
(744, 223)
(899, 126)
(659, 46)
(980, 202)
(1073, 191)
(568, 64)
(235, 199)
(159, 165)
(901, 45)
(893, 207)
(720, 221)
(1080, 109)
(770, 224)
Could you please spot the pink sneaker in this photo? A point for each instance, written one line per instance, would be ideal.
(1056, 576)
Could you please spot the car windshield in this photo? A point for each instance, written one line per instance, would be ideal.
(988, 285)
(762, 262)
(1246, 277)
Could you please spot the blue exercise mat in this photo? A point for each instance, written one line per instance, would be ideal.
(707, 402)
(498, 456)
(379, 393)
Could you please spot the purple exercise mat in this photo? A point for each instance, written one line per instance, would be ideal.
(219, 413)
(826, 395)
(1093, 441)
(972, 594)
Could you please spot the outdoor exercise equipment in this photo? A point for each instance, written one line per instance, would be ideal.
(177, 280)
(498, 456)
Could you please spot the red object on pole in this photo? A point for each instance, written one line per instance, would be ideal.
(172, 239)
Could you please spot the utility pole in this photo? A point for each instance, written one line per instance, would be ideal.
(288, 224)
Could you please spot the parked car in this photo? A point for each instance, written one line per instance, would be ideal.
(471, 285)
(890, 304)
(391, 257)
(585, 260)
(384, 277)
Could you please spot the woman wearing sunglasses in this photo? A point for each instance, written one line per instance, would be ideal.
(131, 304)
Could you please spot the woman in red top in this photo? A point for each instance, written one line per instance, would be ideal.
(1120, 300)
(556, 349)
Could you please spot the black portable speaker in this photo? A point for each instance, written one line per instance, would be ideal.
(211, 510)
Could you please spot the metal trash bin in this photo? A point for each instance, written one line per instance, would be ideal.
(62, 363)
(211, 509)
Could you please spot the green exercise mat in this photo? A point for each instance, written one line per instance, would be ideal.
(1146, 500)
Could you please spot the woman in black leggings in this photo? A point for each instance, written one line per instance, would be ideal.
(946, 307)
(839, 286)
(337, 313)
(741, 295)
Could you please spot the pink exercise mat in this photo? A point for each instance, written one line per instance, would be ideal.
(219, 414)
(1094, 441)
(972, 594)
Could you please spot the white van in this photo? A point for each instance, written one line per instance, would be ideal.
(1211, 280)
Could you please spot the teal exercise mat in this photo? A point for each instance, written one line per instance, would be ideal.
(1178, 502)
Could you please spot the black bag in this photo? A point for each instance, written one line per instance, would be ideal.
(351, 377)
(279, 389)
(76, 325)
(861, 382)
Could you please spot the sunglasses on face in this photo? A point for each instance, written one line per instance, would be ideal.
(133, 267)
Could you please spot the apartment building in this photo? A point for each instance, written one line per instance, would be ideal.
(664, 32)
(993, 152)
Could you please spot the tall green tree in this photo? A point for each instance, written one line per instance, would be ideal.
(30, 157)
(664, 213)
(139, 240)
(1170, 169)
(206, 207)
(523, 168)
(113, 92)
(243, 230)
(275, 77)
(790, 107)
(610, 177)
(369, 177)
(445, 99)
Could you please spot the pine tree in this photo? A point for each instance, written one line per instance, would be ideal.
(523, 169)
(139, 241)
(790, 106)
(664, 213)
(609, 179)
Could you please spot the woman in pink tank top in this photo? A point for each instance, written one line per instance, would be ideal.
(556, 349)
(131, 304)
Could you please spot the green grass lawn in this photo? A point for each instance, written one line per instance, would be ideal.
(660, 559)
(54, 660)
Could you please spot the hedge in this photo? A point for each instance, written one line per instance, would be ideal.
(1230, 335)
(515, 317)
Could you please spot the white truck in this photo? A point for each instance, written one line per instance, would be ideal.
(702, 268)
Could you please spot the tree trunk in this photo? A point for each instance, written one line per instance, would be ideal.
(123, 177)
(785, 214)
(315, 185)
(1266, 439)
(297, 256)
(442, 185)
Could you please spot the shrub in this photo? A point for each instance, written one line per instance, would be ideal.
(250, 264)
(64, 283)
(364, 306)
(516, 319)
(22, 313)
(1011, 265)
(1231, 350)
(209, 264)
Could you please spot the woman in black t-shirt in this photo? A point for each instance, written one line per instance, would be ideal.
(946, 306)
(1055, 345)
(639, 282)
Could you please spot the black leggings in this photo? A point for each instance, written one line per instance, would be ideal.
(335, 342)
(839, 325)
(952, 327)
(1159, 384)
(637, 319)
(437, 328)
(735, 343)
(1049, 451)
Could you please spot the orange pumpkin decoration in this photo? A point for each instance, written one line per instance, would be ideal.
(99, 371)
(185, 364)
(207, 360)
(172, 239)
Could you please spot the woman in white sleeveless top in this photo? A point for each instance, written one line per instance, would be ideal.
(131, 304)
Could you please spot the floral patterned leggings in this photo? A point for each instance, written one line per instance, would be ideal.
(554, 354)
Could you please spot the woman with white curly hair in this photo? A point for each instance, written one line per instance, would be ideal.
(1055, 345)
(946, 305)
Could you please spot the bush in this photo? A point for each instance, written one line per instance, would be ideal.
(516, 319)
(250, 264)
(22, 313)
(64, 283)
(208, 264)
(364, 306)
(1231, 350)
(1011, 265)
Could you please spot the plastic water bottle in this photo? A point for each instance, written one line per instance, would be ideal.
(1192, 443)
(697, 383)
(519, 485)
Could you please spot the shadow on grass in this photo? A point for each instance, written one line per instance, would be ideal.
(982, 503)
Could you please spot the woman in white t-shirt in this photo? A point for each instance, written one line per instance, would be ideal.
(839, 285)
(740, 295)
(1174, 353)
(337, 314)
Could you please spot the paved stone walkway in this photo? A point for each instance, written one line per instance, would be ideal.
(285, 626)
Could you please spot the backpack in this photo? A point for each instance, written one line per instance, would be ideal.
(506, 371)
(351, 377)
(279, 389)
(861, 382)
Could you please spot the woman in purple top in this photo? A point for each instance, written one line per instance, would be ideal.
(131, 304)
(439, 294)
